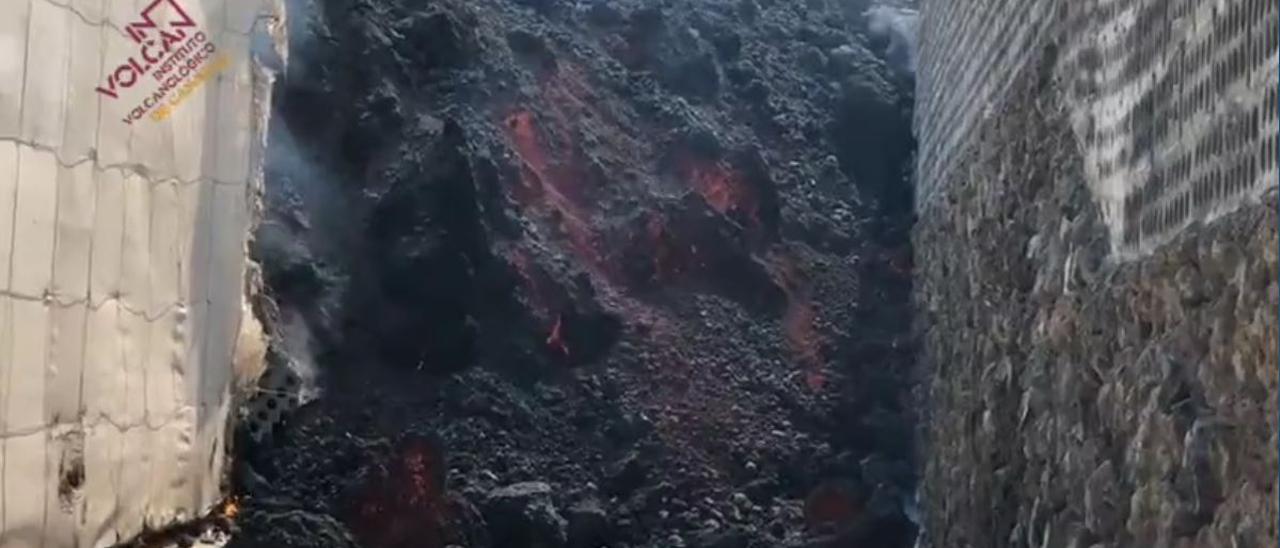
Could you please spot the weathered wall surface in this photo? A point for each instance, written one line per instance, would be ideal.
(1172, 102)
(969, 52)
(1097, 282)
(122, 264)
(1174, 105)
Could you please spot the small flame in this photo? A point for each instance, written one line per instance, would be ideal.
(556, 339)
(405, 504)
(231, 508)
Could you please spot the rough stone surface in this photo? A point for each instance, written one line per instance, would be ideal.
(1173, 102)
(526, 515)
(639, 252)
(1077, 400)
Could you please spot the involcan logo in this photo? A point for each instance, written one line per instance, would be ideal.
(174, 58)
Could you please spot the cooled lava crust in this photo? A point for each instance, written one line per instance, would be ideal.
(614, 273)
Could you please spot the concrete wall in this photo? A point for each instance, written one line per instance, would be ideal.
(1173, 102)
(123, 316)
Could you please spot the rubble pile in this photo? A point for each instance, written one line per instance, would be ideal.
(581, 274)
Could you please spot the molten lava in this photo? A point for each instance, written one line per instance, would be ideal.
(555, 340)
(552, 187)
(542, 180)
(799, 321)
(524, 135)
(405, 505)
(802, 336)
(831, 505)
(722, 189)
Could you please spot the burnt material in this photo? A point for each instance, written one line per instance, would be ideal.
(585, 274)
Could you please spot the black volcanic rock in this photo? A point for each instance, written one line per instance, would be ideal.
(523, 515)
(648, 253)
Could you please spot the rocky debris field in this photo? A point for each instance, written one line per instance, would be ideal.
(545, 273)
(1077, 400)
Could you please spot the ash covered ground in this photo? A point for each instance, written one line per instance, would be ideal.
(613, 273)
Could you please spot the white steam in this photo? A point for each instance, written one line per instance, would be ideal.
(898, 25)
(294, 337)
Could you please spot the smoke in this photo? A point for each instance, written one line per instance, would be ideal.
(296, 236)
(295, 339)
(310, 225)
(897, 26)
(303, 20)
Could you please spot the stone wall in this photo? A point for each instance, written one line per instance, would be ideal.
(1174, 105)
(1097, 287)
(969, 52)
(1173, 102)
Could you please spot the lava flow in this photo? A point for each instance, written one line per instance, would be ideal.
(722, 188)
(405, 505)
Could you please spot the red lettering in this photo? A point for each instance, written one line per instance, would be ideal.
(140, 71)
(171, 38)
(146, 52)
(167, 52)
(128, 71)
(110, 90)
(138, 30)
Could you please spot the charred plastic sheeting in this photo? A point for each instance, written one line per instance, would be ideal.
(130, 134)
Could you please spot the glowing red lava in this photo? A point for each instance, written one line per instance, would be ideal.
(553, 188)
(803, 338)
(830, 505)
(524, 135)
(722, 189)
(405, 505)
(555, 340)
(799, 321)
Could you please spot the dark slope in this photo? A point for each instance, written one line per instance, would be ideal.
(593, 274)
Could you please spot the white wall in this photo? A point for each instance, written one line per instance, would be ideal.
(123, 318)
